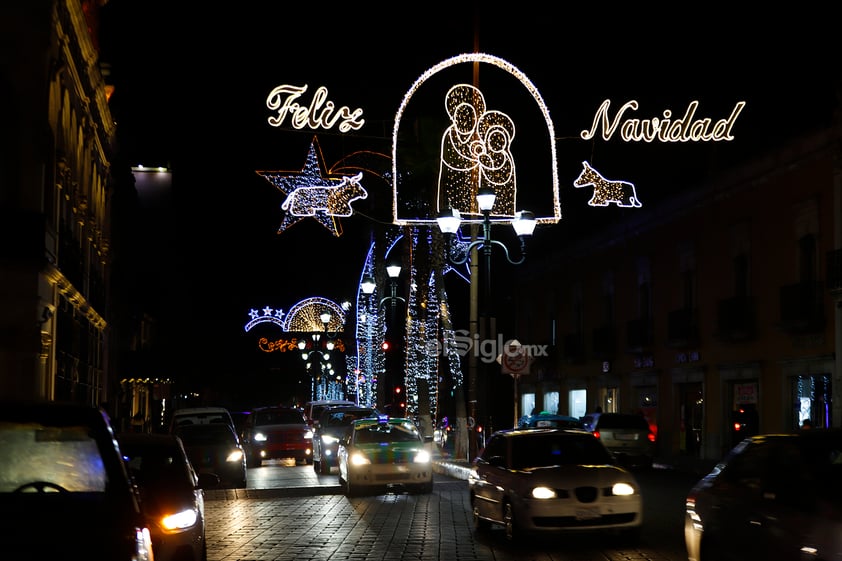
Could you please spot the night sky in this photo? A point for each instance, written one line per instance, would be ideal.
(191, 93)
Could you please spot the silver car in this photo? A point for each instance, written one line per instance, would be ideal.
(628, 436)
(539, 481)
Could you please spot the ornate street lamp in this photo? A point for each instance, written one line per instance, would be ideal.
(449, 222)
(368, 285)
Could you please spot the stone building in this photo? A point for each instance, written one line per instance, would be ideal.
(714, 314)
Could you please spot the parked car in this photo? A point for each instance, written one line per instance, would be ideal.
(387, 453)
(214, 448)
(171, 492)
(277, 432)
(334, 424)
(201, 416)
(549, 420)
(773, 497)
(539, 481)
(64, 489)
(627, 436)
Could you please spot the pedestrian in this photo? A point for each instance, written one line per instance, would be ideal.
(806, 424)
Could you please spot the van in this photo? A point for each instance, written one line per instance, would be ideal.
(313, 409)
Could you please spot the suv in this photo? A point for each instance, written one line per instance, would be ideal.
(64, 488)
(627, 436)
(277, 432)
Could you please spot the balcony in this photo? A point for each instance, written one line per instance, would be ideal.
(735, 319)
(802, 308)
(639, 335)
(573, 349)
(605, 342)
(683, 329)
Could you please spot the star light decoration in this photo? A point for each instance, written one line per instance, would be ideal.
(316, 193)
(267, 314)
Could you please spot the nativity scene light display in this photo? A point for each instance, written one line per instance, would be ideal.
(479, 146)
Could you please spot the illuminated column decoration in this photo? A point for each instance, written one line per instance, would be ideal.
(450, 348)
(422, 356)
(370, 334)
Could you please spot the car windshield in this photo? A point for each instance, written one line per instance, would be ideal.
(155, 467)
(542, 450)
(345, 418)
(387, 433)
(194, 435)
(67, 456)
(278, 418)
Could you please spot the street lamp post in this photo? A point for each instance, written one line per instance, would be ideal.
(368, 285)
(449, 222)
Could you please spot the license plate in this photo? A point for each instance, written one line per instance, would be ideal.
(587, 513)
(626, 437)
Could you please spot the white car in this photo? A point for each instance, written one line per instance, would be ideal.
(539, 481)
(385, 454)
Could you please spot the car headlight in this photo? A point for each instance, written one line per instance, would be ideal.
(329, 439)
(359, 459)
(143, 545)
(235, 456)
(622, 489)
(422, 457)
(259, 437)
(543, 493)
(180, 520)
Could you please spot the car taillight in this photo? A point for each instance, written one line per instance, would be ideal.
(596, 434)
(651, 436)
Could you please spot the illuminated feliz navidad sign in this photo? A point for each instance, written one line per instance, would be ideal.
(479, 147)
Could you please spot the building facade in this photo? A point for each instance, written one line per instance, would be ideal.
(716, 314)
(55, 174)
